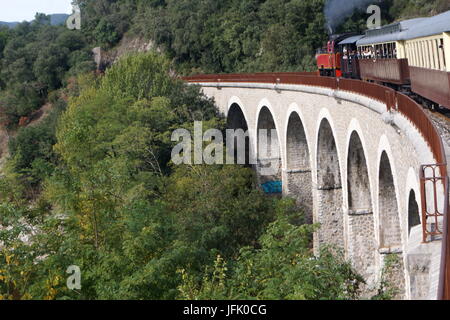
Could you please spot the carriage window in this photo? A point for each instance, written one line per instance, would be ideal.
(416, 49)
(422, 54)
(393, 54)
(366, 52)
(386, 50)
(436, 54)
(409, 55)
(426, 62)
(416, 53)
(413, 54)
(442, 51)
(430, 55)
(433, 52)
(419, 54)
(408, 52)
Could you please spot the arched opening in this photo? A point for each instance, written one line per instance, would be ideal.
(362, 242)
(419, 274)
(413, 212)
(390, 231)
(298, 175)
(269, 155)
(359, 199)
(329, 189)
(238, 143)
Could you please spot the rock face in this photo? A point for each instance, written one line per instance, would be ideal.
(97, 52)
(104, 59)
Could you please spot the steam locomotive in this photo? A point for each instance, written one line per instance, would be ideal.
(411, 56)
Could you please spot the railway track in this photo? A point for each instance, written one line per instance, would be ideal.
(442, 123)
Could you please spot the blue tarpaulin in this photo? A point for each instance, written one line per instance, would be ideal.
(272, 187)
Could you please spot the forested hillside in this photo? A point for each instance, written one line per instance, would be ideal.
(139, 227)
(91, 184)
(237, 35)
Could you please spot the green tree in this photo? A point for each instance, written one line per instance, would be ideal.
(283, 267)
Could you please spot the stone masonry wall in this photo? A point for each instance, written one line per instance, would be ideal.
(380, 132)
(298, 185)
(330, 217)
(363, 248)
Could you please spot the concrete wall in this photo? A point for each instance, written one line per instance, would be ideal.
(350, 164)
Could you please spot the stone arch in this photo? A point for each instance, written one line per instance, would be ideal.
(413, 211)
(413, 205)
(389, 227)
(236, 100)
(362, 241)
(269, 159)
(329, 188)
(359, 194)
(236, 118)
(298, 179)
(237, 122)
(390, 231)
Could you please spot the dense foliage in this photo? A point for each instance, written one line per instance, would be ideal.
(35, 59)
(216, 36)
(92, 183)
(140, 228)
(199, 36)
(234, 35)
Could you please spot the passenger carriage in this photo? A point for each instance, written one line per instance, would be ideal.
(411, 55)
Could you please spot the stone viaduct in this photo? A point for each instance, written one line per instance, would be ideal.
(353, 166)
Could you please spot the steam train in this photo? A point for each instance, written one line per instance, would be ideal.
(412, 56)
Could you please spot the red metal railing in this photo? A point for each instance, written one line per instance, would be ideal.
(431, 176)
(372, 90)
(444, 281)
(394, 101)
(415, 113)
(434, 176)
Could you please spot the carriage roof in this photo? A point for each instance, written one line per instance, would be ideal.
(408, 29)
